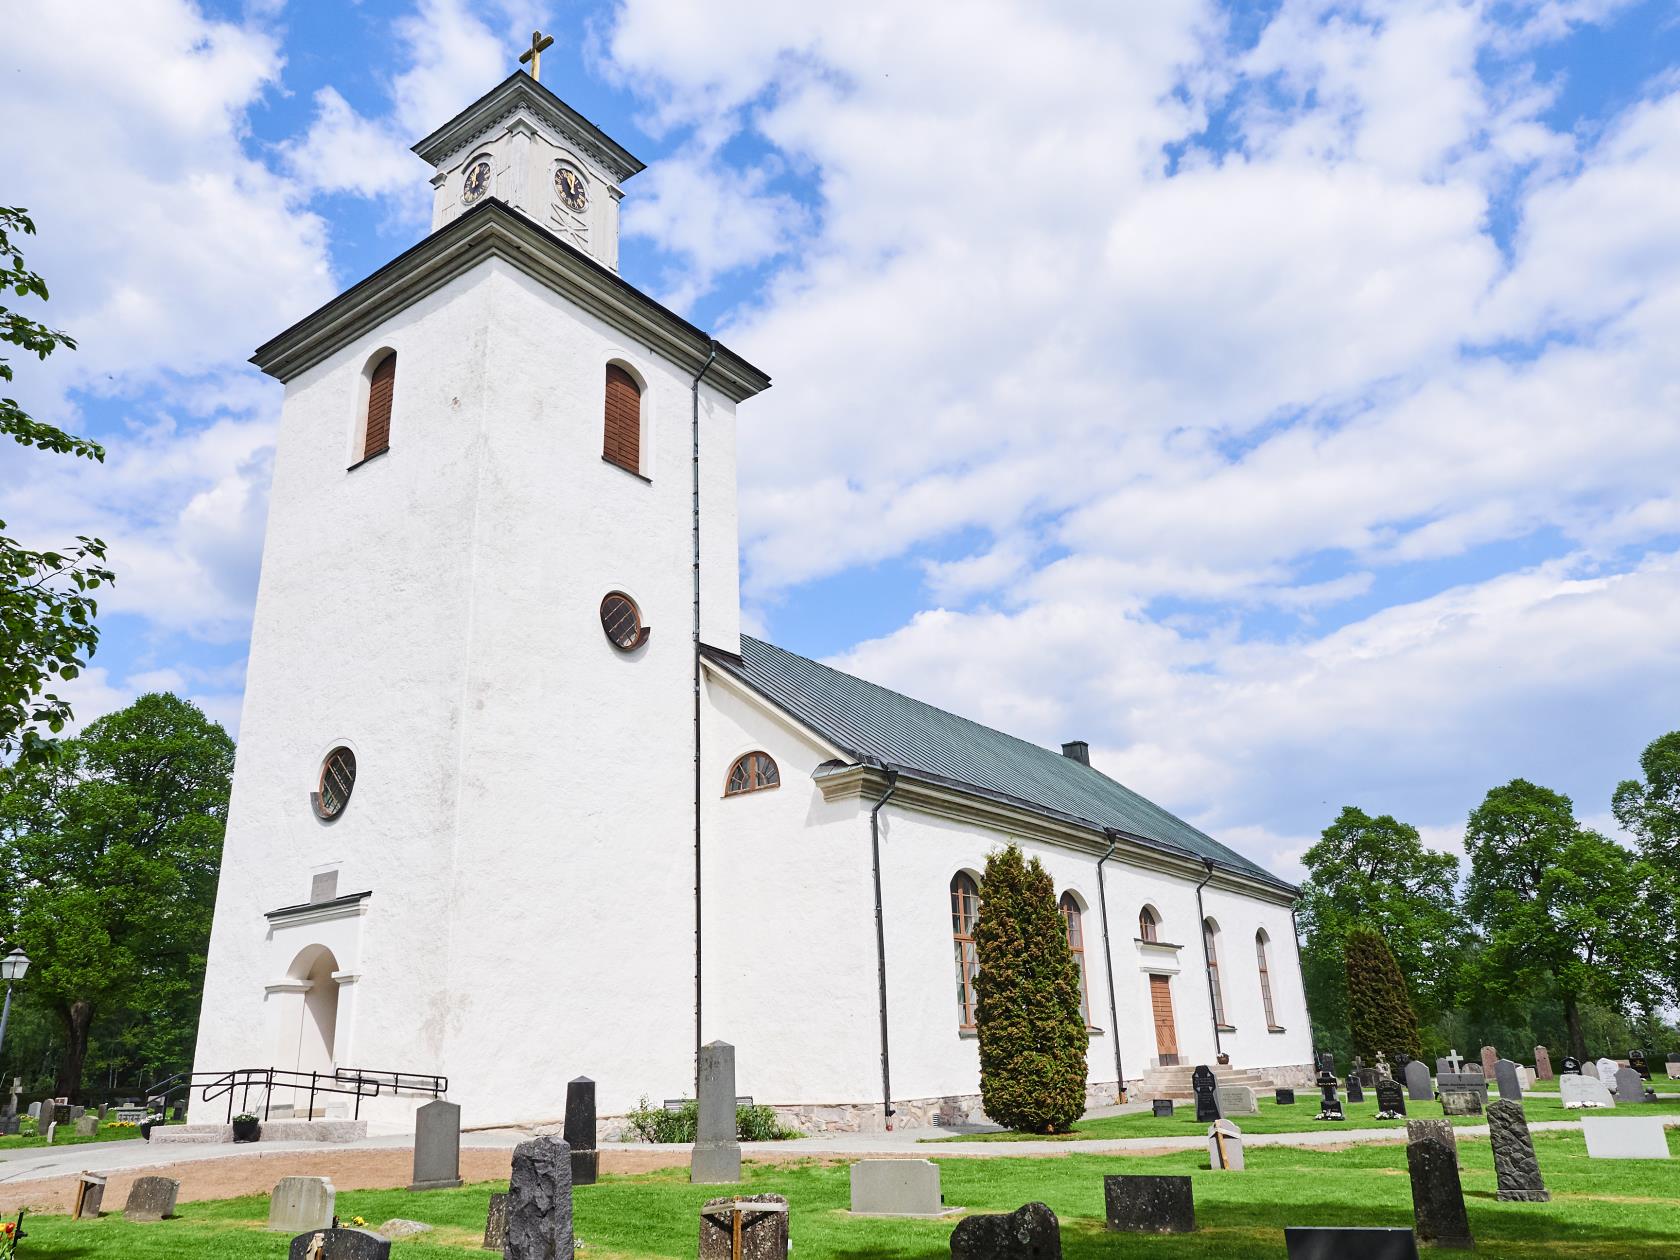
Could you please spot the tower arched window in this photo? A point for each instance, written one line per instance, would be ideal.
(1210, 934)
(1265, 978)
(621, 443)
(965, 910)
(1069, 906)
(382, 384)
(1149, 926)
(752, 772)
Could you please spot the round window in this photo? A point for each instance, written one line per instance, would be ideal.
(622, 621)
(338, 777)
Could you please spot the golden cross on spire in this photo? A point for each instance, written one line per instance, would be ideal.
(534, 53)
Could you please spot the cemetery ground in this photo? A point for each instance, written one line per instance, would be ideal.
(66, 1136)
(1629, 1208)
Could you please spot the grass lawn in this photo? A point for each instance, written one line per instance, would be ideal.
(66, 1136)
(1296, 1119)
(1629, 1209)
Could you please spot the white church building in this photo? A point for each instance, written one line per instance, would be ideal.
(516, 801)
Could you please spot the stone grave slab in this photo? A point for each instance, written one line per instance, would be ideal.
(1330, 1109)
(1437, 1193)
(437, 1146)
(1514, 1163)
(1639, 1063)
(1507, 1077)
(1030, 1232)
(1607, 1069)
(90, 1193)
(1355, 1089)
(1419, 1088)
(1206, 1085)
(151, 1199)
(1631, 1088)
(399, 1227)
(495, 1223)
(717, 1153)
(1391, 1100)
(1285, 1097)
(1625, 1137)
(1236, 1100)
(1162, 1108)
(1542, 1063)
(1577, 1089)
(539, 1202)
(339, 1244)
(1225, 1147)
(897, 1187)
(301, 1203)
(1149, 1205)
(579, 1130)
(1490, 1056)
(1460, 1102)
(1349, 1243)
(88, 1126)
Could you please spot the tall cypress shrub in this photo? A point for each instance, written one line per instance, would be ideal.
(1032, 1034)
(1380, 1015)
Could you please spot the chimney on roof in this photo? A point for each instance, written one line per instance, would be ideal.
(1077, 750)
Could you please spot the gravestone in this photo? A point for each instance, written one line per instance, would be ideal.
(1437, 1194)
(151, 1199)
(1162, 1108)
(717, 1153)
(495, 1223)
(1342, 1242)
(1625, 1137)
(1514, 1164)
(1460, 1102)
(1577, 1089)
(1570, 1065)
(1470, 1079)
(1382, 1068)
(1326, 1085)
(301, 1203)
(1639, 1063)
(1225, 1146)
(61, 1113)
(1490, 1056)
(1419, 1088)
(1326, 1062)
(12, 1098)
(1236, 1100)
(1204, 1083)
(1607, 1069)
(1440, 1130)
(35, 1111)
(1330, 1109)
(1452, 1063)
(1630, 1087)
(52, 1132)
(437, 1146)
(88, 1126)
(1391, 1100)
(1542, 1063)
(1355, 1088)
(339, 1244)
(1510, 1082)
(1671, 1066)
(580, 1130)
(539, 1202)
(397, 1227)
(897, 1187)
(1028, 1233)
(760, 1221)
(90, 1193)
(1285, 1097)
(1149, 1205)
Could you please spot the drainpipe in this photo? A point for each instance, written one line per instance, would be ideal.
(881, 943)
(1108, 966)
(1201, 927)
(711, 356)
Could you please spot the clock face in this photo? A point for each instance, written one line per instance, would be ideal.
(477, 182)
(569, 187)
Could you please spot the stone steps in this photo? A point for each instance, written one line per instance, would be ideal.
(272, 1131)
(1174, 1082)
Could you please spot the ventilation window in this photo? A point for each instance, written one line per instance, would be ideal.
(752, 773)
(382, 384)
(338, 779)
(622, 621)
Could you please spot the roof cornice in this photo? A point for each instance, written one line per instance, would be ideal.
(521, 90)
(493, 229)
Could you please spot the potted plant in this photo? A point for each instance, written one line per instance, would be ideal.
(245, 1127)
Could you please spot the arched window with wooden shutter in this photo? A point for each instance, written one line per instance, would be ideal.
(376, 439)
(622, 440)
(1074, 922)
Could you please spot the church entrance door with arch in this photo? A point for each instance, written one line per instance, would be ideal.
(1166, 1034)
(309, 1029)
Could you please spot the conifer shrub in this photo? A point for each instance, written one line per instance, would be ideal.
(1032, 1033)
(1380, 1014)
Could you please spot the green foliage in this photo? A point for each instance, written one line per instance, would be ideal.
(109, 854)
(47, 607)
(655, 1124)
(1649, 809)
(1380, 1015)
(1033, 1039)
(28, 1127)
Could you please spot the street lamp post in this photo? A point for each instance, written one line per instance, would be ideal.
(12, 968)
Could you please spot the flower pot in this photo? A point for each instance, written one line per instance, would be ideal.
(146, 1129)
(246, 1130)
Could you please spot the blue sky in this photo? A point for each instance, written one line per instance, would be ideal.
(1281, 397)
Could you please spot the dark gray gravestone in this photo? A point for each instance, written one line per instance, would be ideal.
(1391, 1099)
(1028, 1233)
(1205, 1084)
(1355, 1088)
(151, 1199)
(1326, 1062)
(1440, 1130)
(1285, 1097)
(580, 1130)
(1514, 1164)
(495, 1223)
(1326, 1085)
(1437, 1195)
(539, 1203)
(1570, 1066)
(1510, 1084)
(340, 1244)
(763, 1228)
(1149, 1205)
(1630, 1087)
(1337, 1243)
(437, 1146)
(1419, 1088)
(1639, 1063)
(1162, 1108)
(717, 1153)
(1331, 1109)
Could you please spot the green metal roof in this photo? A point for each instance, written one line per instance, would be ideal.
(873, 724)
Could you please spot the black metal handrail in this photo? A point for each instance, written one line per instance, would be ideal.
(358, 1083)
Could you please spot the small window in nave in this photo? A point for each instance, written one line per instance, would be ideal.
(752, 773)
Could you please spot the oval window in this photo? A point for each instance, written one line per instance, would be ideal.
(622, 621)
(338, 779)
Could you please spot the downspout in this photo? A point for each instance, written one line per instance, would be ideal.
(1108, 966)
(881, 944)
(1207, 969)
(711, 356)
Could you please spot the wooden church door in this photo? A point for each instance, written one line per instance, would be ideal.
(1166, 1036)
